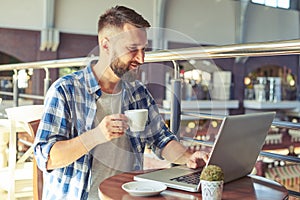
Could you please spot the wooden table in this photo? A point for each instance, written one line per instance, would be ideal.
(249, 187)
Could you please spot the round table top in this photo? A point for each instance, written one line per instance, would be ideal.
(249, 187)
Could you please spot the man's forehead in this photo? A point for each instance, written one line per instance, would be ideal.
(133, 37)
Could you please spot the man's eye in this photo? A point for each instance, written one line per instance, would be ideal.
(132, 49)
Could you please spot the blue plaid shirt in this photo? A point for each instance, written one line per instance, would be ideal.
(70, 109)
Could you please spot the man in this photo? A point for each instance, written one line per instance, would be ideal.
(83, 136)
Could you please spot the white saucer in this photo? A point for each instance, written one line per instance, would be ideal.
(143, 188)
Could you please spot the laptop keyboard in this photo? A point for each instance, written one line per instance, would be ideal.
(193, 178)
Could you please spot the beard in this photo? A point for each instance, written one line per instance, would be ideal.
(121, 69)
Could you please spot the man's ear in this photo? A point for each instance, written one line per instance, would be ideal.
(104, 43)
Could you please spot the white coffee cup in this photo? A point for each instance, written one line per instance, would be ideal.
(137, 119)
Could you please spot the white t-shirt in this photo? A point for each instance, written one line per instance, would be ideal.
(111, 157)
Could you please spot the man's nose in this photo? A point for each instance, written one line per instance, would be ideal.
(139, 56)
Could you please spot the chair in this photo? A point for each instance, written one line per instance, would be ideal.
(19, 172)
(37, 173)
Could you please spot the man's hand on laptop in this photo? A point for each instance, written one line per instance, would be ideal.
(176, 153)
(197, 159)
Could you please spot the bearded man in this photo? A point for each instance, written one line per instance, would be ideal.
(83, 136)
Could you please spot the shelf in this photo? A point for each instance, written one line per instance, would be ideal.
(213, 107)
(205, 104)
(281, 105)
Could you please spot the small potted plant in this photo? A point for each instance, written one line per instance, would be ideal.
(212, 180)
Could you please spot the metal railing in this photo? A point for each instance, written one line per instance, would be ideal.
(275, 156)
(287, 47)
(208, 52)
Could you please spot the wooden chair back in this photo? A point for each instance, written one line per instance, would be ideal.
(29, 116)
(37, 173)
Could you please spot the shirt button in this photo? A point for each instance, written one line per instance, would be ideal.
(139, 149)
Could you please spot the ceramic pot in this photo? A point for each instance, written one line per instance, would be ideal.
(211, 190)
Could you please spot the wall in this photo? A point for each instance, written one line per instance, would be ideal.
(205, 21)
(202, 21)
(18, 14)
(77, 16)
(270, 24)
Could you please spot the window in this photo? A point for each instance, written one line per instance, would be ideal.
(274, 3)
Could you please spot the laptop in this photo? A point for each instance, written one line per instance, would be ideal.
(236, 148)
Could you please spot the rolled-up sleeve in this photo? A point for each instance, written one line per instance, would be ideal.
(158, 134)
(52, 127)
(162, 141)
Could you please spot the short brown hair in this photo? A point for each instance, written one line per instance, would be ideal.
(119, 15)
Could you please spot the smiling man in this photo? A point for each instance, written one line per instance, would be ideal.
(83, 136)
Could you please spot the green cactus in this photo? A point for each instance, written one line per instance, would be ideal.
(212, 173)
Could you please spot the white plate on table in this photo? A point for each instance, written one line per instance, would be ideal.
(144, 188)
